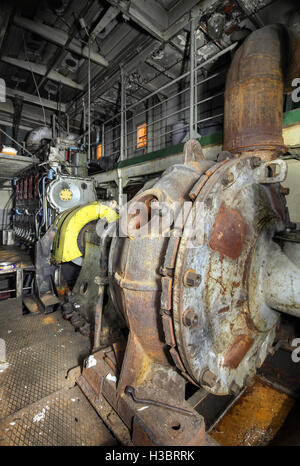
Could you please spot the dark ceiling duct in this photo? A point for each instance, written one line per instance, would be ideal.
(262, 69)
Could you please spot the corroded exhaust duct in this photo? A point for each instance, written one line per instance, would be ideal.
(262, 69)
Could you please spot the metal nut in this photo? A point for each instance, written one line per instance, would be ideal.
(284, 191)
(248, 381)
(208, 378)
(190, 318)
(191, 278)
(227, 179)
(234, 388)
(255, 162)
(97, 280)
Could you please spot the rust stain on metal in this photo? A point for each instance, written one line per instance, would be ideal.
(253, 96)
(224, 309)
(240, 303)
(248, 319)
(237, 351)
(229, 233)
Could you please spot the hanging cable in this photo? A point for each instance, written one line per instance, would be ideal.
(34, 80)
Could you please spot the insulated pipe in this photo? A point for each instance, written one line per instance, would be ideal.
(262, 68)
(35, 136)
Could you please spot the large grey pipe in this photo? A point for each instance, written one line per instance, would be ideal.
(35, 137)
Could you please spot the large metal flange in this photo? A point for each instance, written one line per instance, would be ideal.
(222, 333)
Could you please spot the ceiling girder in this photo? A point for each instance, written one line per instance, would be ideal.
(41, 70)
(109, 16)
(155, 19)
(60, 38)
(33, 99)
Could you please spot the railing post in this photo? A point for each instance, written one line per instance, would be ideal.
(103, 138)
(193, 76)
(123, 135)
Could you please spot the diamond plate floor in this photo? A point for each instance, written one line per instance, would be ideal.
(40, 349)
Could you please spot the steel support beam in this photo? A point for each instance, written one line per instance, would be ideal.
(154, 24)
(109, 16)
(9, 125)
(193, 80)
(32, 99)
(60, 38)
(31, 115)
(41, 70)
(155, 19)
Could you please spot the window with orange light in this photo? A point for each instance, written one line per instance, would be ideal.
(141, 136)
(99, 151)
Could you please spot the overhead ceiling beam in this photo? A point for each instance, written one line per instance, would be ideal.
(154, 24)
(60, 38)
(62, 53)
(41, 70)
(9, 124)
(183, 9)
(30, 116)
(33, 99)
(155, 19)
(6, 9)
(109, 16)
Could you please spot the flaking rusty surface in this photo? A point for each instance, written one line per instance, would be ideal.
(254, 91)
(237, 351)
(229, 233)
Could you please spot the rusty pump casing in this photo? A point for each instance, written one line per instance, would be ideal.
(202, 299)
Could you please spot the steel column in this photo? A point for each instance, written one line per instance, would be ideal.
(193, 120)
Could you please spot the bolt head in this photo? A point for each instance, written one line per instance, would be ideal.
(284, 191)
(208, 378)
(227, 179)
(190, 318)
(234, 388)
(191, 279)
(248, 381)
(255, 162)
(97, 280)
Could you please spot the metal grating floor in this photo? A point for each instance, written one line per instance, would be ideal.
(40, 350)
